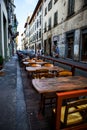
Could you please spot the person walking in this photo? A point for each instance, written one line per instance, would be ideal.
(57, 52)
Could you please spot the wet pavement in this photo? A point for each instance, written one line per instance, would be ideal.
(12, 104)
(19, 102)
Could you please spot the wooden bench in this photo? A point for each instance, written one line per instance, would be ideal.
(73, 65)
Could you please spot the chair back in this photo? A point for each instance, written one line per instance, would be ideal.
(75, 112)
(71, 110)
(41, 73)
(35, 65)
(48, 65)
(34, 59)
(39, 60)
(64, 73)
(31, 60)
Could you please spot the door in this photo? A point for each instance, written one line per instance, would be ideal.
(70, 43)
(84, 47)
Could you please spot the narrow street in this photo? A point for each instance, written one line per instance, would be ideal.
(43, 65)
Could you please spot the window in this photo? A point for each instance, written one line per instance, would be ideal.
(45, 11)
(45, 27)
(35, 36)
(39, 33)
(45, 46)
(37, 23)
(49, 24)
(50, 5)
(35, 26)
(40, 9)
(85, 2)
(40, 19)
(55, 1)
(84, 45)
(71, 7)
(55, 18)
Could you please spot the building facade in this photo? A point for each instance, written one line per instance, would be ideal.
(65, 26)
(3, 29)
(26, 26)
(35, 27)
(12, 27)
(8, 28)
(62, 24)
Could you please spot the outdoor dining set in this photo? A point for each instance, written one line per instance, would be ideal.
(64, 93)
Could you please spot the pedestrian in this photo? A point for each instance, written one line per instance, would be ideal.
(38, 53)
(57, 52)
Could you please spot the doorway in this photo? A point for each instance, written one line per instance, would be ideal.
(70, 43)
(84, 46)
(49, 44)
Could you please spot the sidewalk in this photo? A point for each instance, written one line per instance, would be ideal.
(12, 104)
(19, 102)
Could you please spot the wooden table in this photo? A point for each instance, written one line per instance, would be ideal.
(54, 68)
(27, 62)
(32, 69)
(60, 84)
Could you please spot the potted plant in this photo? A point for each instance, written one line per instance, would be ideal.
(1, 62)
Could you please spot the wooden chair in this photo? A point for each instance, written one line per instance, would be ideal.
(48, 65)
(47, 98)
(35, 65)
(34, 59)
(30, 60)
(39, 60)
(25, 59)
(31, 63)
(73, 114)
(41, 73)
(50, 75)
(45, 74)
(64, 73)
